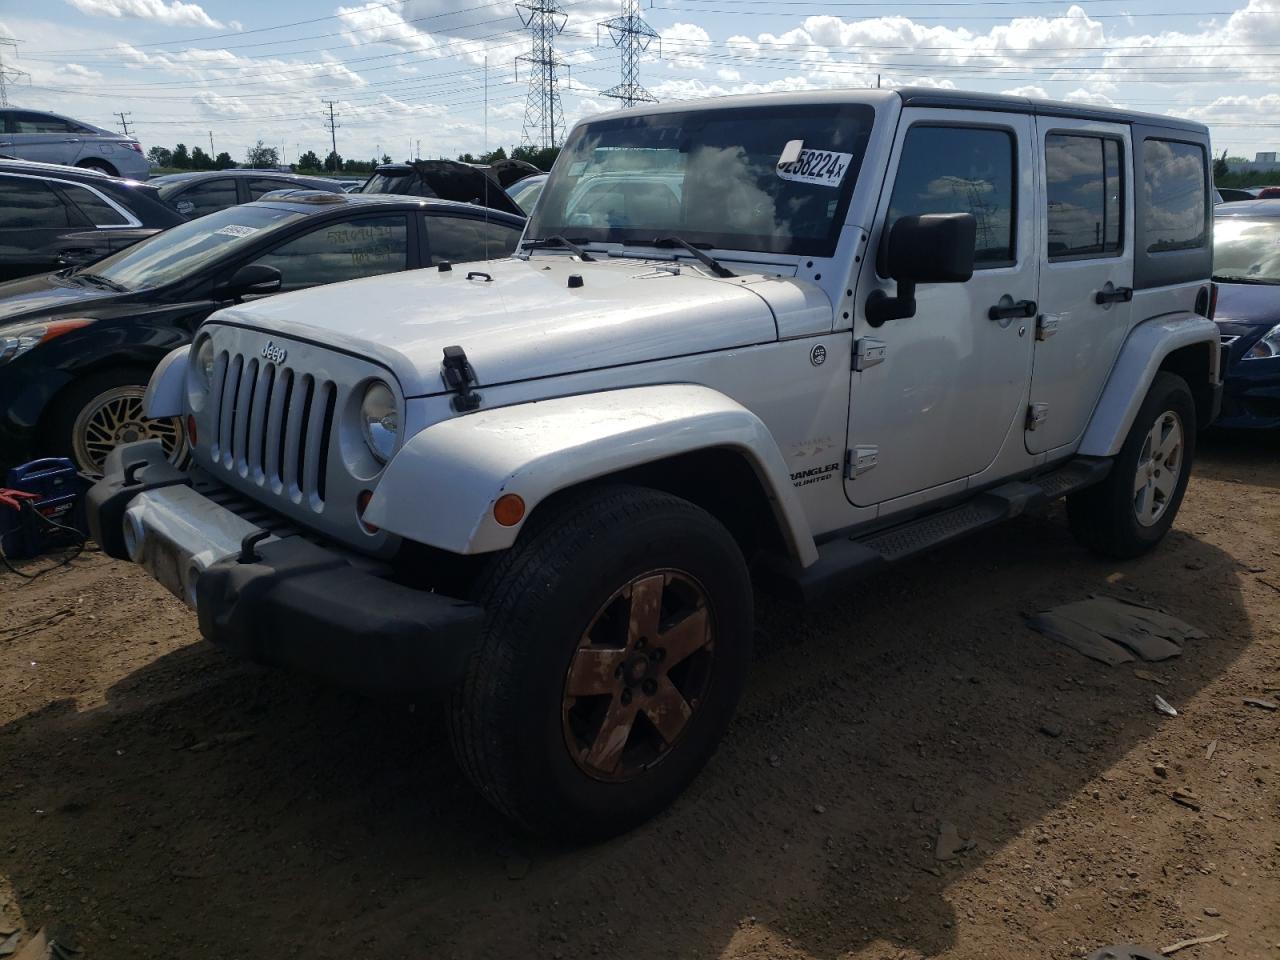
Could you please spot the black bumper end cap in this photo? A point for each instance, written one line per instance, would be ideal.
(300, 606)
(131, 469)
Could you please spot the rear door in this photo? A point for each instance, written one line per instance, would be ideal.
(44, 138)
(207, 196)
(1086, 277)
(949, 389)
(33, 220)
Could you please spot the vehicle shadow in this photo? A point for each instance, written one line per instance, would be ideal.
(212, 810)
(1239, 456)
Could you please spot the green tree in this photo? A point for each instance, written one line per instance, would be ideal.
(333, 162)
(386, 158)
(540, 157)
(180, 158)
(1220, 168)
(223, 161)
(309, 161)
(200, 160)
(160, 156)
(260, 156)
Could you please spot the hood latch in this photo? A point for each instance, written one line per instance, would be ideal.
(458, 377)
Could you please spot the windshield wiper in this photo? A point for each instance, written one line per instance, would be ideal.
(100, 281)
(557, 241)
(1218, 278)
(711, 263)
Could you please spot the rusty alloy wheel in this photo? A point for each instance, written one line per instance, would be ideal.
(640, 672)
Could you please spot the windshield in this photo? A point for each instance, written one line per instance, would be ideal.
(526, 192)
(1245, 249)
(711, 177)
(186, 248)
(399, 183)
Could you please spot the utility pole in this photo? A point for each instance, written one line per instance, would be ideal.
(632, 36)
(124, 123)
(211, 153)
(543, 117)
(9, 74)
(332, 123)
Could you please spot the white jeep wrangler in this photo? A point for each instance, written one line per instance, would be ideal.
(797, 336)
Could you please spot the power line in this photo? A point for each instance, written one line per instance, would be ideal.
(632, 36)
(124, 122)
(543, 115)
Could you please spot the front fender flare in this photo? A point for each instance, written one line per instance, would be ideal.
(441, 486)
(166, 391)
(1145, 349)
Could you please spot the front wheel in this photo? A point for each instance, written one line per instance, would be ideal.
(615, 649)
(103, 410)
(1130, 512)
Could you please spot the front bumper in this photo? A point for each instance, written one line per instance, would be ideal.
(283, 600)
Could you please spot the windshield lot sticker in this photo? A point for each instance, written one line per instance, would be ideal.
(822, 167)
(235, 230)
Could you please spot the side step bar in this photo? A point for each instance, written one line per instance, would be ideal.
(846, 560)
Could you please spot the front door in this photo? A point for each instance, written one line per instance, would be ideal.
(950, 392)
(1087, 277)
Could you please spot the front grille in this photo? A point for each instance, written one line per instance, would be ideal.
(271, 426)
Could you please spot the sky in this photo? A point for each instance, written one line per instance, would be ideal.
(411, 77)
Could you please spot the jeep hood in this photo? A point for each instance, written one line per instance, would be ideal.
(526, 320)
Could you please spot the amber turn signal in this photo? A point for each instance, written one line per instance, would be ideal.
(362, 504)
(508, 510)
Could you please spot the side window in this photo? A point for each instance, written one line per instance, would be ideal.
(1174, 195)
(460, 240)
(340, 251)
(99, 212)
(260, 185)
(960, 170)
(207, 197)
(1085, 196)
(30, 205)
(39, 123)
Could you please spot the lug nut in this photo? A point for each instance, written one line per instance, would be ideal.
(650, 687)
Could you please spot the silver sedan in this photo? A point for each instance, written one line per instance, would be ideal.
(50, 138)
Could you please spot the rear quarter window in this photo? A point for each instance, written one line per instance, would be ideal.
(1173, 185)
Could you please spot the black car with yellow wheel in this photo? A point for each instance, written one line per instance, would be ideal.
(77, 347)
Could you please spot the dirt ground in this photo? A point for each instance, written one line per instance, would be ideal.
(165, 801)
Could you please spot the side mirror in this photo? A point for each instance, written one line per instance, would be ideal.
(930, 248)
(251, 279)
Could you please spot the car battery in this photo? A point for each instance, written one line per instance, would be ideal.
(42, 508)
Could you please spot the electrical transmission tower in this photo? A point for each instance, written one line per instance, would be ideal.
(332, 124)
(543, 117)
(8, 74)
(632, 36)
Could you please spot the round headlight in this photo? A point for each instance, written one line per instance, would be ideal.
(205, 361)
(380, 420)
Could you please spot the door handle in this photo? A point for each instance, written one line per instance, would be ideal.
(1008, 309)
(1118, 295)
(71, 140)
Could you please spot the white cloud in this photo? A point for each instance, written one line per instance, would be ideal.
(174, 13)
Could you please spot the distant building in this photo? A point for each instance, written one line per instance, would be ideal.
(1262, 162)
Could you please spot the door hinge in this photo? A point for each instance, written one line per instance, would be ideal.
(867, 352)
(1037, 414)
(1047, 325)
(860, 459)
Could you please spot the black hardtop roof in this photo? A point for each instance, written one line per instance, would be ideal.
(969, 100)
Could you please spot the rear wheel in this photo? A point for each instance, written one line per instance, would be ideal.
(614, 652)
(1131, 511)
(100, 165)
(98, 413)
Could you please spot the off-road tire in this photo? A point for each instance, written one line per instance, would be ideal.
(506, 719)
(1103, 517)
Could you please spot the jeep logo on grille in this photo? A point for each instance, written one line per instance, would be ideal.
(273, 354)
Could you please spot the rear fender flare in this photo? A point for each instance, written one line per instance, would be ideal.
(1143, 353)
